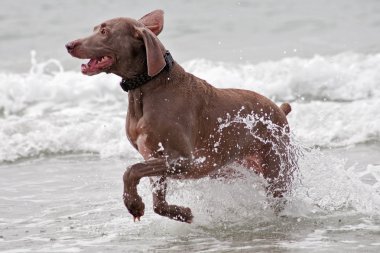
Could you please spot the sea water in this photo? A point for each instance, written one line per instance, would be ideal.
(63, 146)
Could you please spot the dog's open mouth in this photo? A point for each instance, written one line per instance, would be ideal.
(97, 65)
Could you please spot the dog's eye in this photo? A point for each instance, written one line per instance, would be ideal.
(103, 31)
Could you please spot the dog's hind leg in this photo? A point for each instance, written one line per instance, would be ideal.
(161, 207)
(275, 171)
(278, 168)
(253, 162)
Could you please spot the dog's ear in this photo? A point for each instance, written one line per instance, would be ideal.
(154, 51)
(154, 21)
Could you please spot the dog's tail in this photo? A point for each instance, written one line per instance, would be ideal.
(286, 108)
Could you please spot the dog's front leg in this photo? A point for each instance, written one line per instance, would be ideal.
(131, 178)
(161, 207)
(150, 168)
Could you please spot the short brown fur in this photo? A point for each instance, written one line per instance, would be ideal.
(174, 120)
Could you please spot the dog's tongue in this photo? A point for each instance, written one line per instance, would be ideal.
(96, 65)
(89, 67)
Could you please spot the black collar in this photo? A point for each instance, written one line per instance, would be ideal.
(139, 80)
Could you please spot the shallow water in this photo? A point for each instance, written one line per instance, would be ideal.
(63, 147)
(73, 203)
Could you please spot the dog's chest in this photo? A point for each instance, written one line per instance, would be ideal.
(138, 138)
(134, 124)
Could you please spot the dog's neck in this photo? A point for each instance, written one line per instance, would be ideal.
(128, 84)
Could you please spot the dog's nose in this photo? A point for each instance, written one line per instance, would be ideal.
(70, 46)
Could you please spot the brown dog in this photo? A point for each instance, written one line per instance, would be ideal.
(182, 126)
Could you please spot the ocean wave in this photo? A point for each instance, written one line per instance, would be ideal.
(52, 111)
(334, 124)
(344, 77)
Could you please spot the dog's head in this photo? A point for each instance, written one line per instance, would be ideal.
(123, 46)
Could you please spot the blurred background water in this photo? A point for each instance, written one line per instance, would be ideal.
(218, 30)
(63, 147)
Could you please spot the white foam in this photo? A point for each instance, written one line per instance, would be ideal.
(334, 124)
(50, 111)
(347, 76)
(57, 112)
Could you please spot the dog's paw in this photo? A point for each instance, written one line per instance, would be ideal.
(183, 214)
(174, 212)
(134, 205)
